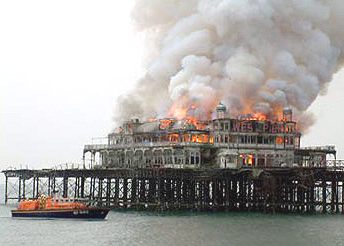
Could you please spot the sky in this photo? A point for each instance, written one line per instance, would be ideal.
(62, 66)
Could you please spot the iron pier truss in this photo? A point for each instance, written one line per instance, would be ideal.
(299, 189)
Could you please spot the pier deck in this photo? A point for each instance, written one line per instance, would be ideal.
(300, 190)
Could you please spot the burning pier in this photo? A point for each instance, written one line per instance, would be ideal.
(224, 142)
(247, 163)
(257, 58)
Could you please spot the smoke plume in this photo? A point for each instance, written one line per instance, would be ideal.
(253, 55)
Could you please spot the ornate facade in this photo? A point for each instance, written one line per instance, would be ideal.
(223, 142)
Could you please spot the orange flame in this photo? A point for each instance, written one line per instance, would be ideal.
(189, 138)
(184, 109)
(259, 116)
(165, 123)
(199, 125)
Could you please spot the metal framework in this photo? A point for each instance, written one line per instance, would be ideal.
(300, 190)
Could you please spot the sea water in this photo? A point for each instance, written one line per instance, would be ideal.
(143, 228)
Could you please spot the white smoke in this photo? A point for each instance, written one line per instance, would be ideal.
(253, 55)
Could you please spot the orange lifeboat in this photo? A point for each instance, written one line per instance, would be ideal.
(57, 208)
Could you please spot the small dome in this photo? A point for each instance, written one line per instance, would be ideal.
(221, 107)
(287, 110)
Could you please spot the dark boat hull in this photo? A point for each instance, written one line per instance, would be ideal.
(91, 213)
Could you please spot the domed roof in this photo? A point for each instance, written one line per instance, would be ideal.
(287, 110)
(221, 107)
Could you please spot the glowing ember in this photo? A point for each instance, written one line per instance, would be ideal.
(165, 123)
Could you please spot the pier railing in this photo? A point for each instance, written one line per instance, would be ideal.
(335, 164)
(97, 147)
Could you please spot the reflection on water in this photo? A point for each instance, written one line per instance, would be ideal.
(140, 228)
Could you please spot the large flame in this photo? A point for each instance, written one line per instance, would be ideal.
(189, 112)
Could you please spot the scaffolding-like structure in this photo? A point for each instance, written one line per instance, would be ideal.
(299, 189)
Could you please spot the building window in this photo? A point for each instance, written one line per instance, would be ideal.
(259, 139)
(261, 162)
(279, 140)
(197, 159)
(194, 158)
(248, 160)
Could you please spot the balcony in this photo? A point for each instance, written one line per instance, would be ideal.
(99, 147)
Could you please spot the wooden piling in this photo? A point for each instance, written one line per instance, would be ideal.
(287, 190)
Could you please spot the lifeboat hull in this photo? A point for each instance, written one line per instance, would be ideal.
(89, 213)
